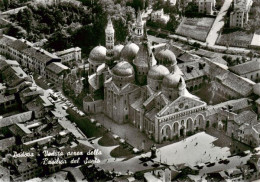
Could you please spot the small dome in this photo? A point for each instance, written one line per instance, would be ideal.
(123, 68)
(157, 72)
(98, 54)
(172, 80)
(257, 89)
(129, 52)
(166, 57)
(117, 51)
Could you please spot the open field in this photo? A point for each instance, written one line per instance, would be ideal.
(196, 28)
(235, 39)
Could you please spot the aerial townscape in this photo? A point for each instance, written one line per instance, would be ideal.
(129, 90)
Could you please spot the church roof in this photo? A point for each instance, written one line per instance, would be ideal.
(170, 108)
(158, 72)
(98, 54)
(117, 51)
(123, 68)
(166, 56)
(172, 80)
(129, 52)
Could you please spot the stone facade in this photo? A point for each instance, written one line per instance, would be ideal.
(239, 17)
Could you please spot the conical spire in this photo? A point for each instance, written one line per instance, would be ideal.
(109, 28)
(139, 17)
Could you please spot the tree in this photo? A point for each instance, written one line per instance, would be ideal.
(138, 4)
(159, 4)
(121, 30)
(6, 4)
(191, 9)
(16, 31)
(58, 41)
(172, 24)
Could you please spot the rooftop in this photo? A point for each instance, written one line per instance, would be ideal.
(245, 68)
(40, 54)
(6, 143)
(67, 51)
(18, 118)
(18, 45)
(237, 104)
(245, 117)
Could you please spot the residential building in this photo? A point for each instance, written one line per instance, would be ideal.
(56, 72)
(40, 106)
(206, 6)
(33, 58)
(160, 16)
(72, 54)
(240, 15)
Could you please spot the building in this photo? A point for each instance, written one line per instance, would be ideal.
(250, 70)
(255, 43)
(239, 16)
(206, 6)
(160, 16)
(152, 97)
(33, 58)
(40, 106)
(149, 87)
(56, 72)
(72, 54)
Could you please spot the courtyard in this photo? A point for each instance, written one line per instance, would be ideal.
(196, 28)
(198, 149)
(205, 94)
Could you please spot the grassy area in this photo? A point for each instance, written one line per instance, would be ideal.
(235, 39)
(107, 140)
(88, 128)
(196, 28)
(120, 151)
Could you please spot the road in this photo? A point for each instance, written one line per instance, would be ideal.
(218, 23)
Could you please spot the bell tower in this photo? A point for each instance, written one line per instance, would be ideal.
(110, 38)
(139, 29)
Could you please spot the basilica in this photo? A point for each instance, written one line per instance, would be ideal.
(142, 87)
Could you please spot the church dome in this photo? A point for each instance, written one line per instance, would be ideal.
(98, 54)
(129, 52)
(172, 80)
(166, 57)
(123, 68)
(117, 50)
(257, 89)
(158, 72)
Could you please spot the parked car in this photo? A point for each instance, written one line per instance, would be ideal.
(136, 151)
(92, 120)
(98, 125)
(115, 136)
(82, 113)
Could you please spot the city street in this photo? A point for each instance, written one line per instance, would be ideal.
(218, 24)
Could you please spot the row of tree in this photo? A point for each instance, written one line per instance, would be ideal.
(66, 24)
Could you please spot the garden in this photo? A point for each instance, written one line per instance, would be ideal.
(196, 28)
